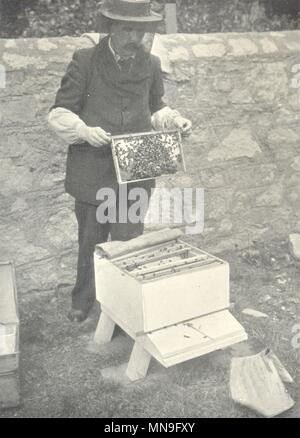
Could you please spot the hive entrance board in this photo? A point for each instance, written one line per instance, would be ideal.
(194, 338)
(142, 156)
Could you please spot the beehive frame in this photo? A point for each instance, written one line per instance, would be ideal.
(121, 172)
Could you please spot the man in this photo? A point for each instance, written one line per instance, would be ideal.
(113, 88)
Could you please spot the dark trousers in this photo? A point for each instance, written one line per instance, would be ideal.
(90, 233)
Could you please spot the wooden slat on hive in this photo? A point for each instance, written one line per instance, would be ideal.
(195, 261)
(116, 162)
(142, 260)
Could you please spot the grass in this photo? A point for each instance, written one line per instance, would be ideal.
(61, 376)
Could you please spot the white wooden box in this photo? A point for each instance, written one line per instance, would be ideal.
(149, 304)
(175, 308)
(9, 319)
(9, 338)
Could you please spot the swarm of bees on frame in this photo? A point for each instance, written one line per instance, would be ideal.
(148, 156)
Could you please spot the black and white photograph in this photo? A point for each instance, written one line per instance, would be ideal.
(150, 211)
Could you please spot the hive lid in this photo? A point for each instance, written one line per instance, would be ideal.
(8, 296)
(116, 249)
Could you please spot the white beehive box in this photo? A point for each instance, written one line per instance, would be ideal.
(172, 297)
(9, 337)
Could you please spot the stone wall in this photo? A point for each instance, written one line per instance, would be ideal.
(241, 92)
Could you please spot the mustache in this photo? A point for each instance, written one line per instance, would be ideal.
(133, 46)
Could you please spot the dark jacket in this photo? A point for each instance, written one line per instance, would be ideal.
(102, 95)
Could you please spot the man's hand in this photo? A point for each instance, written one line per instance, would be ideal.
(95, 136)
(183, 124)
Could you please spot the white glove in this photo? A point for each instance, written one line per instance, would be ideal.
(94, 136)
(183, 124)
(166, 119)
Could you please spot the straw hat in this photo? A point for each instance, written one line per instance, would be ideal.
(139, 11)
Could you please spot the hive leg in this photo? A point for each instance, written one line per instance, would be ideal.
(138, 363)
(104, 330)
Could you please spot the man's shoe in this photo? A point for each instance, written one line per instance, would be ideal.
(77, 315)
